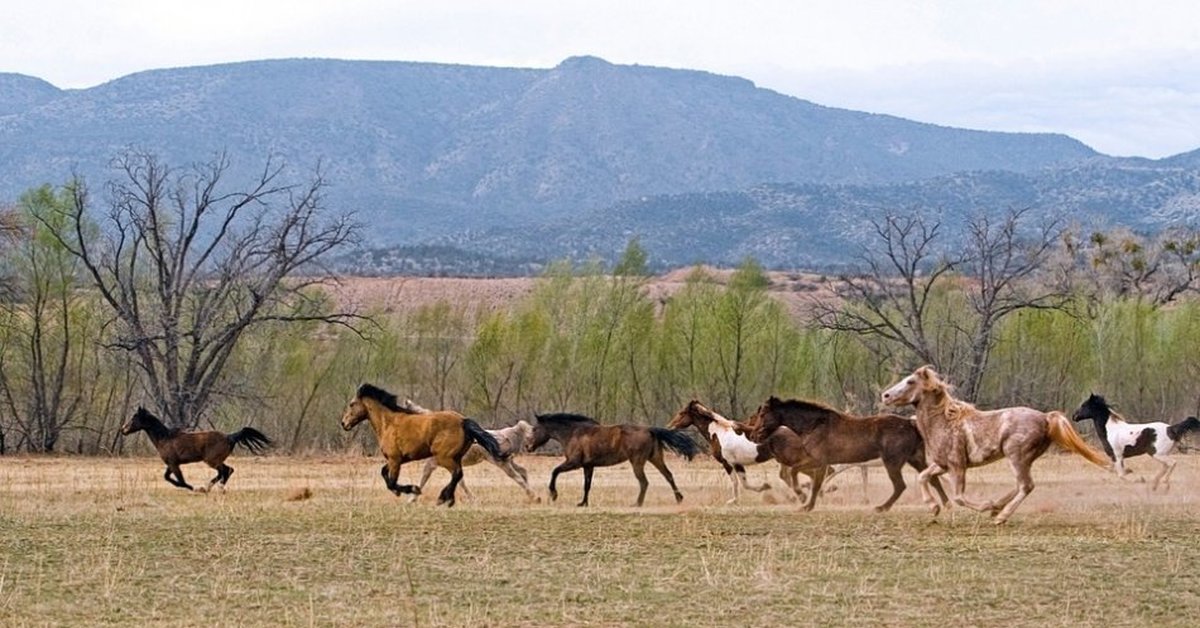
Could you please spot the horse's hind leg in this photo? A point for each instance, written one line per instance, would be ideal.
(430, 465)
(658, 463)
(897, 477)
(1021, 467)
(518, 475)
(818, 478)
(447, 494)
(741, 471)
(587, 485)
(1164, 474)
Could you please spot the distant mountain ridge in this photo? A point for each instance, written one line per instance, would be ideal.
(476, 156)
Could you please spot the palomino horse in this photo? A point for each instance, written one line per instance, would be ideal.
(959, 436)
(512, 440)
(587, 445)
(831, 437)
(1123, 440)
(404, 436)
(729, 445)
(177, 447)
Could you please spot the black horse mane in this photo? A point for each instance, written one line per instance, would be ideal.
(564, 418)
(807, 414)
(154, 425)
(1095, 403)
(385, 398)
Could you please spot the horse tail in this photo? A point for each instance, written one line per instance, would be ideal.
(676, 440)
(476, 434)
(1177, 431)
(1064, 435)
(251, 439)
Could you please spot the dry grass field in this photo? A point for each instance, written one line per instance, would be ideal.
(89, 541)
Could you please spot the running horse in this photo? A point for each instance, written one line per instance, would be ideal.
(177, 447)
(1123, 440)
(830, 437)
(587, 445)
(404, 436)
(959, 436)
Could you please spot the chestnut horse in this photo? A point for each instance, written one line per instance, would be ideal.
(959, 436)
(831, 437)
(587, 445)
(404, 436)
(730, 445)
(177, 447)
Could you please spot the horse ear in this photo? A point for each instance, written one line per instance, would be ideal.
(926, 372)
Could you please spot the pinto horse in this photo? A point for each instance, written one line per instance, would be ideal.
(587, 445)
(959, 436)
(729, 445)
(177, 447)
(1123, 440)
(831, 437)
(404, 436)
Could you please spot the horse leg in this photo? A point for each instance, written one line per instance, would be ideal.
(512, 470)
(958, 489)
(818, 477)
(788, 475)
(741, 471)
(587, 485)
(897, 477)
(924, 478)
(430, 465)
(167, 476)
(1021, 467)
(1119, 464)
(391, 472)
(866, 497)
(456, 474)
(569, 465)
(179, 481)
(731, 473)
(1164, 474)
(657, 461)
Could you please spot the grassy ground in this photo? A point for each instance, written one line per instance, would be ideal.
(96, 541)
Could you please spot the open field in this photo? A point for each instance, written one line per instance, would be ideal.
(107, 541)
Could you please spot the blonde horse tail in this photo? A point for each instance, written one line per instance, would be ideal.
(1064, 435)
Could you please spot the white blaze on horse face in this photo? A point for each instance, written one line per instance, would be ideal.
(901, 393)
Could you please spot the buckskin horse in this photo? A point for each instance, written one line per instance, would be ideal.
(405, 436)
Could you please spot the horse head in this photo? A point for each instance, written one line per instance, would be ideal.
(140, 420)
(685, 417)
(355, 413)
(909, 390)
(537, 436)
(765, 420)
(1094, 407)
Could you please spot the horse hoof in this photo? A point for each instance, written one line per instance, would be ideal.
(201, 489)
(678, 498)
(881, 508)
(729, 502)
(581, 505)
(998, 521)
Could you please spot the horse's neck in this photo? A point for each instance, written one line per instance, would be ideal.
(378, 416)
(158, 432)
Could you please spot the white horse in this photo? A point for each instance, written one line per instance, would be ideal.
(1123, 440)
(512, 441)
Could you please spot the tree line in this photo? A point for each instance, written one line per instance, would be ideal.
(203, 300)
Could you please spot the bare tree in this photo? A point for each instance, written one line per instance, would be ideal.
(1003, 260)
(188, 264)
(890, 298)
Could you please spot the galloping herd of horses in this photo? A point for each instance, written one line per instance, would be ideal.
(946, 436)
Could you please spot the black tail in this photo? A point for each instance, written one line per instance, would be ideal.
(475, 433)
(1177, 431)
(677, 441)
(251, 439)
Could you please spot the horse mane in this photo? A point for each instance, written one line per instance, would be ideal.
(385, 398)
(804, 405)
(156, 427)
(565, 418)
(953, 409)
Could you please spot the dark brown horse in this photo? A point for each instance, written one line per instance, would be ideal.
(587, 445)
(405, 435)
(177, 447)
(831, 437)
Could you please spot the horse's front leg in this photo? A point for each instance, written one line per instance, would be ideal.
(731, 473)
(391, 473)
(958, 489)
(927, 475)
(818, 478)
(568, 465)
(741, 471)
(1164, 474)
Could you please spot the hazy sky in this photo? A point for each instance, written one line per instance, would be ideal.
(1122, 76)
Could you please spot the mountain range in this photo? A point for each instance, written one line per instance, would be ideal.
(466, 162)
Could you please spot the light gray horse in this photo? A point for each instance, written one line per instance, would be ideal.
(512, 441)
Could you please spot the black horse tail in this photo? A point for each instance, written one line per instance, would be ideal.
(676, 440)
(476, 434)
(1177, 431)
(251, 439)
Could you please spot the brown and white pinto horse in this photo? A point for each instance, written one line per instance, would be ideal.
(959, 436)
(730, 445)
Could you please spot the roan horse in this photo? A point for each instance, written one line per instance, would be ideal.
(404, 436)
(729, 445)
(177, 447)
(587, 444)
(512, 440)
(1123, 440)
(831, 437)
(959, 436)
